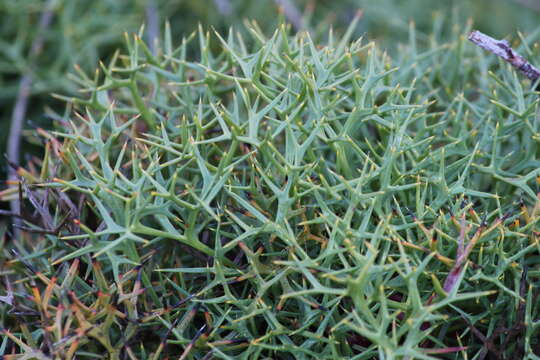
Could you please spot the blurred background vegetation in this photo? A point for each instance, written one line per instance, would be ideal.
(85, 32)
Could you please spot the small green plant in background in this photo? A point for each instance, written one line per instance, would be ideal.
(268, 197)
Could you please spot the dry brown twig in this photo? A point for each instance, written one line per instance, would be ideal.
(21, 104)
(152, 19)
(224, 7)
(502, 49)
(531, 4)
(291, 12)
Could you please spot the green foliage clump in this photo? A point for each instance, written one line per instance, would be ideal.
(79, 34)
(280, 199)
(82, 32)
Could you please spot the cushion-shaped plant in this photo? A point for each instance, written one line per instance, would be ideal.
(279, 199)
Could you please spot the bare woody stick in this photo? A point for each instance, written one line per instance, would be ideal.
(291, 12)
(531, 4)
(152, 18)
(224, 7)
(19, 111)
(502, 49)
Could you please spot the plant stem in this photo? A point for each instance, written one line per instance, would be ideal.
(291, 12)
(152, 19)
(21, 105)
(141, 106)
(502, 49)
(224, 7)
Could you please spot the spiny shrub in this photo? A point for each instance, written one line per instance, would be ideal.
(82, 32)
(79, 33)
(279, 199)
